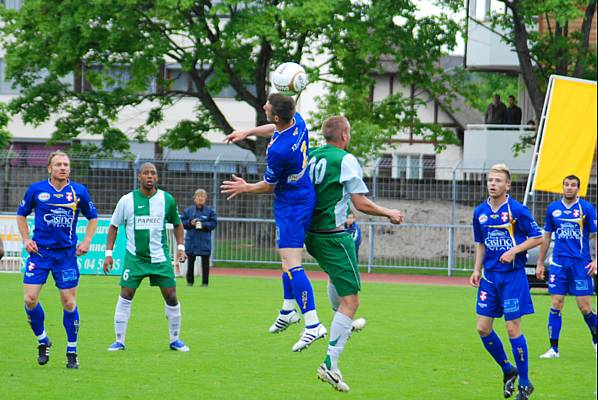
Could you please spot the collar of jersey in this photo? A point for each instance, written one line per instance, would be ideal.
(141, 193)
(289, 128)
(490, 205)
(68, 183)
(571, 206)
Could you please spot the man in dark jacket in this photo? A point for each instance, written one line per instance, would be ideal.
(199, 220)
(513, 113)
(495, 114)
(352, 228)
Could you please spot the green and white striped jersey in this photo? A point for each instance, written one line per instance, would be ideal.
(145, 221)
(336, 174)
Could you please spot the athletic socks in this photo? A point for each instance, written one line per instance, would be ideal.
(519, 346)
(36, 318)
(288, 303)
(121, 318)
(339, 334)
(304, 295)
(592, 323)
(494, 346)
(173, 313)
(555, 321)
(70, 320)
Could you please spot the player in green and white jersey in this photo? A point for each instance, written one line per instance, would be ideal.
(144, 213)
(338, 179)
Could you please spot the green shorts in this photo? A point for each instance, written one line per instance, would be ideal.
(160, 274)
(335, 252)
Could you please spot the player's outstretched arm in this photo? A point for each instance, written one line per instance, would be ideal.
(90, 229)
(367, 206)
(262, 130)
(542, 256)
(237, 185)
(108, 260)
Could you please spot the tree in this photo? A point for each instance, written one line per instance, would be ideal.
(219, 44)
(560, 50)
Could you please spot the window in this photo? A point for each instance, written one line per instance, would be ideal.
(414, 166)
(14, 4)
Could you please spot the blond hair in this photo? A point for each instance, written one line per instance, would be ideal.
(501, 168)
(56, 154)
(334, 126)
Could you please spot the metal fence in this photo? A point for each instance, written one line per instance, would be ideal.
(436, 234)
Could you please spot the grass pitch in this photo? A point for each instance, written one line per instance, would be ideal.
(420, 343)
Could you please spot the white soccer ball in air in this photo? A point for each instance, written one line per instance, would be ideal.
(289, 78)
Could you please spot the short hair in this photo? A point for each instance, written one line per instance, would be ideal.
(496, 95)
(333, 126)
(282, 106)
(511, 97)
(572, 178)
(501, 168)
(200, 192)
(56, 153)
(145, 164)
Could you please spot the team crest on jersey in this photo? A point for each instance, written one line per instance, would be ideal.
(483, 218)
(43, 196)
(575, 213)
(58, 195)
(31, 266)
(552, 278)
(504, 216)
(483, 295)
(69, 196)
(567, 212)
(493, 216)
(557, 213)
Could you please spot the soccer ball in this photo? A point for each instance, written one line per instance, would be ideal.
(289, 78)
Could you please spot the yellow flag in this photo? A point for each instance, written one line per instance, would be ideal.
(569, 138)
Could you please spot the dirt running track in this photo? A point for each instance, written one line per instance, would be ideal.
(380, 278)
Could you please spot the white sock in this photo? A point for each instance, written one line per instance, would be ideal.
(311, 318)
(121, 318)
(335, 301)
(339, 334)
(173, 313)
(288, 304)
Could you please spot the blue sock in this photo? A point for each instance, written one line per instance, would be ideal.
(302, 290)
(287, 288)
(592, 323)
(521, 359)
(70, 320)
(555, 321)
(494, 346)
(36, 318)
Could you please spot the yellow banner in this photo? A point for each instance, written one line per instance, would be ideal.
(569, 139)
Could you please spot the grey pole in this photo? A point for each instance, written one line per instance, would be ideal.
(451, 238)
(371, 229)
(215, 197)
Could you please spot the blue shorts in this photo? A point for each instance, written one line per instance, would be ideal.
(504, 293)
(292, 222)
(62, 263)
(568, 275)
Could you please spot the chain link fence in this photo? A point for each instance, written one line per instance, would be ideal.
(437, 204)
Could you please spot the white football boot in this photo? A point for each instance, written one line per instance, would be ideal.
(333, 377)
(550, 353)
(309, 336)
(283, 321)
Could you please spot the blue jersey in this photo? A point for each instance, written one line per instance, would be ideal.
(56, 212)
(502, 229)
(287, 158)
(572, 227)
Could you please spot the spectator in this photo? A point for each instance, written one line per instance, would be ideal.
(353, 229)
(513, 113)
(199, 220)
(495, 114)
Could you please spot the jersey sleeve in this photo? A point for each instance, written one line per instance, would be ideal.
(118, 216)
(477, 229)
(591, 218)
(352, 176)
(88, 209)
(172, 215)
(274, 169)
(527, 224)
(548, 223)
(28, 202)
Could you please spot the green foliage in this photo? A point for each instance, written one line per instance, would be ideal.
(4, 133)
(116, 51)
(479, 87)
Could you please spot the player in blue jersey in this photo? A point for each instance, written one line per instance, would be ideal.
(572, 221)
(294, 200)
(57, 203)
(503, 231)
